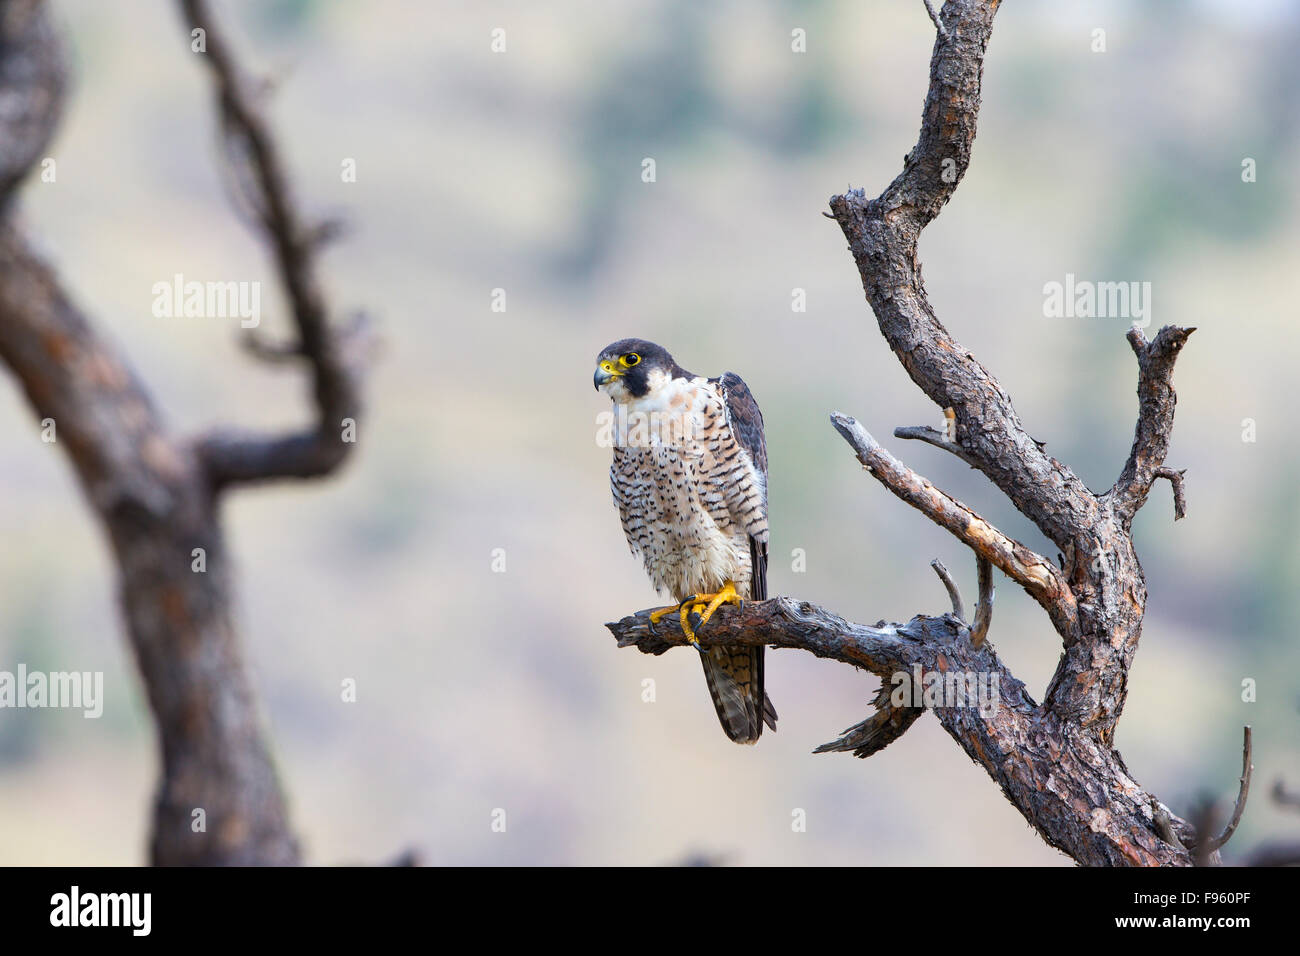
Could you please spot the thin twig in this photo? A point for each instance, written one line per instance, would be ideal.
(1156, 403)
(1242, 793)
(984, 609)
(878, 731)
(1175, 479)
(954, 595)
(258, 175)
(934, 15)
(932, 436)
(1038, 576)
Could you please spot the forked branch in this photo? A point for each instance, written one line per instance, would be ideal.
(335, 359)
(1156, 401)
(1041, 579)
(1055, 762)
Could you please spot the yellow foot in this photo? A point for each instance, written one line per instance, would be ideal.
(710, 603)
(702, 605)
(727, 595)
(685, 608)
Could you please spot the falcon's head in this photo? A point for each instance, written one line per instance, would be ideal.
(634, 368)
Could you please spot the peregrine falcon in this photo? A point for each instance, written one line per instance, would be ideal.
(690, 481)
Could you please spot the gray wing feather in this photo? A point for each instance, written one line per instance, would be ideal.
(745, 419)
(744, 711)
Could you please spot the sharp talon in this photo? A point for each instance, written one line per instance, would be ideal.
(686, 624)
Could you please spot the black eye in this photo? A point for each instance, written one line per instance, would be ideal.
(630, 359)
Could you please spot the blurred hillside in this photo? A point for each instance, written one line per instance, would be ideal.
(522, 171)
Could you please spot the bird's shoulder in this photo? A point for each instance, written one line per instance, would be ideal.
(744, 416)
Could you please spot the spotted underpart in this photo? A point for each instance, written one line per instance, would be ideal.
(689, 478)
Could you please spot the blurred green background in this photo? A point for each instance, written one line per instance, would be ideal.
(522, 171)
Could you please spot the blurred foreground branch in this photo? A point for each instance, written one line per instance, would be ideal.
(156, 493)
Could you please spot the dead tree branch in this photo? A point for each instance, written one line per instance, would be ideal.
(1156, 401)
(1041, 579)
(984, 609)
(1210, 844)
(885, 725)
(932, 436)
(32, 83)
(1025, 750)
(1054, 761)
(234, 457)
(934, 16)
(954, 595)
(1180, 494)
(157, 493)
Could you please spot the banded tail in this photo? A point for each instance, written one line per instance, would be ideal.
(735, 672)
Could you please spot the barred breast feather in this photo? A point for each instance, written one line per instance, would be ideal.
(691, 489)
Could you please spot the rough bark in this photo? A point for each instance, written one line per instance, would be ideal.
(150, 493)
(1054, 761)
(1074, 789)
(157, 493)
